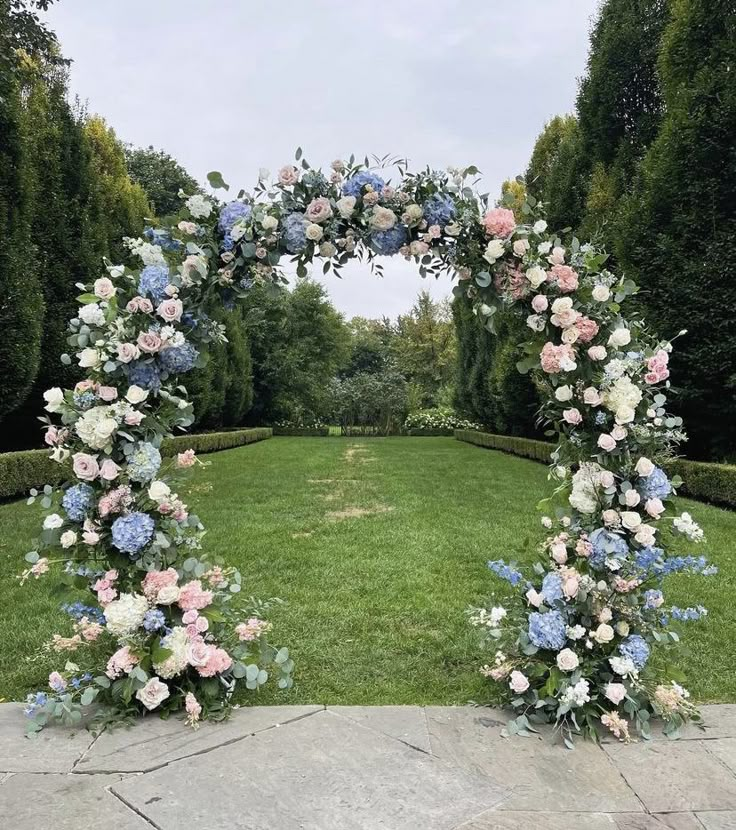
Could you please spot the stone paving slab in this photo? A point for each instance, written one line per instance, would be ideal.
(725, 751)
(64, 802)
(679, 776)
(152, 742)
(718, 820)
(324, 772)
(405, 723)
(539, 775)
(54, 750)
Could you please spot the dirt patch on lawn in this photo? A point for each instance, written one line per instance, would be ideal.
(332, 481)
(357, 512)
(303, 535)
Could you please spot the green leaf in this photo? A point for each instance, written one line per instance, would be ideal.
(216, 181)
(88, 695)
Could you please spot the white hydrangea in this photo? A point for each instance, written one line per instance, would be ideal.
(575, 632)
(584, 485)
(578, 694)
(149, 254)
(125, 614)
(623, 666)
(199, 206)
(92, 315)
(689, 528)
(622, 396)
(177, 643)
(96, 426)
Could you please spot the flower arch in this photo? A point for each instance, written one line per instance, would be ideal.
(165, 632)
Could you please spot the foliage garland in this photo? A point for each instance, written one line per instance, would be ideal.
(576, 649)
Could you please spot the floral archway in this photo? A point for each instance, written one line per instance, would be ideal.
(165, 631)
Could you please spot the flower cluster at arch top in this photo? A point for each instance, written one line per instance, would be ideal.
(164, 630)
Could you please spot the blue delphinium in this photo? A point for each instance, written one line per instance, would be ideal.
(600, 418)
(295, 233)
(78, 501)
(34, 702)
(439, 209)
(131, 533)
(144, 374)
(230, 214)
(389, 242)
(153, 282)
(355, 185)
(552, 588)
(85, 400)
(688, 614)
(654, 486)
(178, 359)
(647, 558)
(652, 599)
(77, 610)
(154, 620)
(144, 462)
(636, 648)
(606, 545)
(500, 568)
(547, 630)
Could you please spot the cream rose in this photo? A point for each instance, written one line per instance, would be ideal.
(54, 398)
(536, 276)
(603, 634)
(644, 467)
(630, 519)
(89, 358)
(563, 393)
(314, 232)
(153, 694)
(158, 490)
(619, 337)
(104, 288)
(136, 394)
(494, 250)
(382, 219)
(567, 660)
(346, 206)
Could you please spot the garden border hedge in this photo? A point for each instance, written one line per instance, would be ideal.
(712, 483)
(303, 432)
(19, 471)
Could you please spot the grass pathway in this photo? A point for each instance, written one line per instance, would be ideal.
(378, 546)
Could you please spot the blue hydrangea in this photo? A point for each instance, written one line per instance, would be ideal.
(636, 649)
(78, 501)
(162, 238)
(547, 630)
(389, 242)
(131, 533)
(439, 209)
(144, 374)
(655, 486)
(652, 599)
(178, 359)
(552, 588)
(85, 400)
(500, 568)
(230, 214)
(144, 462)
(355, 185)
(647, 558)
(153, 282)
(77, 610)
(154, 620)
(606, 545)
(600, 418)
(295, 233)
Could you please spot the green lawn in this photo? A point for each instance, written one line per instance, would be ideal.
(377, 545)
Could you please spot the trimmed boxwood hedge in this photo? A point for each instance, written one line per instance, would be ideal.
(419, 431)
(304, 432)
(713, 483)
(19, 471)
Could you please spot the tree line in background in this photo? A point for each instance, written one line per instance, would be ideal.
(647, 164)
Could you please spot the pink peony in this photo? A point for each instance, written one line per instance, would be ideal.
(154, 581)
(193, 596)
(499, 222)
(587, 329)
(218, 661)
(564, 276)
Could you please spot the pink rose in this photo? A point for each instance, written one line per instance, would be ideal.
(288, 175)
(559, 552)
(185, 459)
(107, 393)
(142, 304)
(133, 419)
(592, 396)
(90, 537)
(615, 692)
(610, 517)
(318, 210)
(499, 222)
(85, 466)
(103, 288)
(540, 303)
(618, 433)
(557, 257)
(170, 310)
(128, 352)
(187, 227)
(607, 478)
(149, 341)
(572, 416)
(518, 682)
(607, 442)
(198, 652)
(109, 470)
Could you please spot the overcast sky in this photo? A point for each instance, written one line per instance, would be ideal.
(235, 85)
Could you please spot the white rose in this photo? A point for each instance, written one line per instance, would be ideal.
(494, 250)
(168, 595)
(561, 305)
(314, 232)
(54, 398)
(536, 276)
(92, 315)
(153, 694)
(603, 634)
(158, 490)
(644, 467)
(631, 498)
(567, 660)
(625, 414)
(89, 358)
(136, 394)
(346, 206)
(630, 519)
(382, 219)
(521, 246)
(601, 293)
(615, 692)
(619, 337)
(52, 522)
(540, 226)
(536, 322)
(563, 393)
(68, 538)
(269, 223)
(327, 250)
(645, 535)
(592, 396)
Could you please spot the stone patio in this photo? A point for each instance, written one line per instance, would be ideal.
(362, 768)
